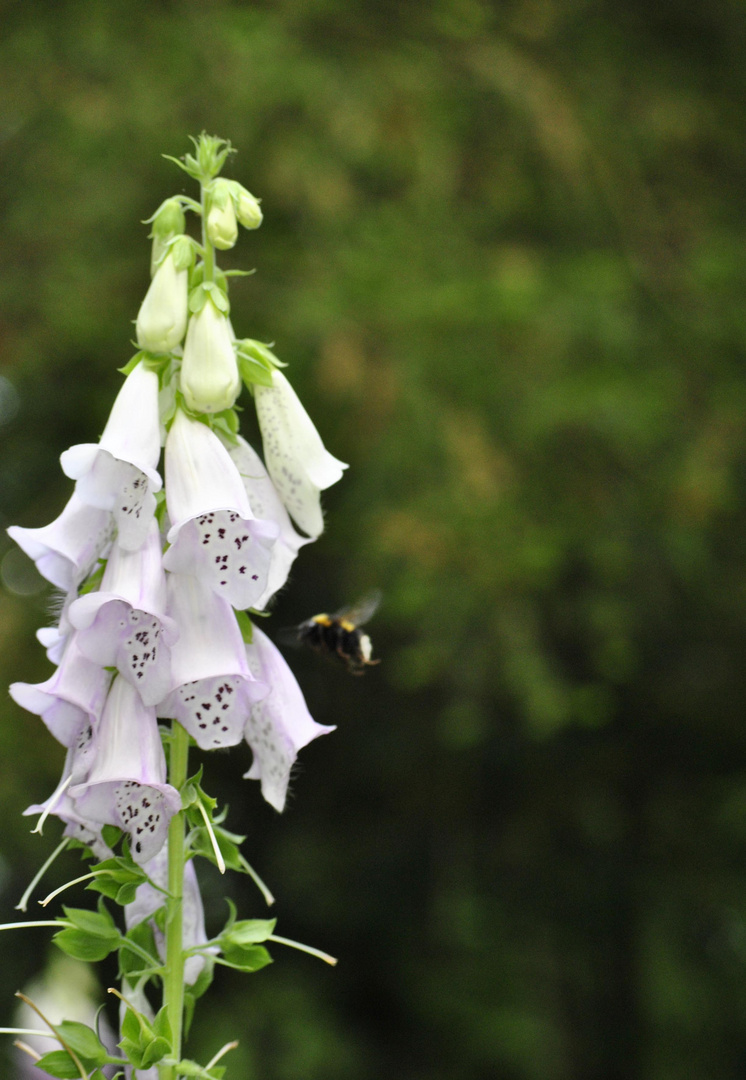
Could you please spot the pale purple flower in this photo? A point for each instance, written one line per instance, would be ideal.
(213, 687)
(127, 785)
(125, 623)
(119, 473)
(66, 550)
(148, 900)
(296, 458)
(213, 533)
(59, 804)
(280, 724)
(266, 503)
(73, 696)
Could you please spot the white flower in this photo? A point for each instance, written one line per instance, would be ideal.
(213, 532)
(213, 687)
(162, 318)
(66, 550)
(71, 698)
(209, 372)
(127, 785)
(266, 503)
(125, 623)
(296, 458)
(280, 724)
(120, 472)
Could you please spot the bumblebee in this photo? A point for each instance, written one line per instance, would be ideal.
(340, 634)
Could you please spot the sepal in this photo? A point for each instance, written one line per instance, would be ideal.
(92, 936)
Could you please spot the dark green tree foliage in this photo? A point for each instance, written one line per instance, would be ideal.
(504, 255)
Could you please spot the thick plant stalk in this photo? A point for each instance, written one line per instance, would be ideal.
(173, 983)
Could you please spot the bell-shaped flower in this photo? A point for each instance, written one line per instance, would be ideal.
(213, 688)
(60, 805)
(72, 697)
(222, 228)
(125, 624)
(162, 318)
(280, 724)
(266, 503)
(213, 533)
(120, 472)
(209, 378)
(296, 459)
(66, 550)
(149, 899)
(127, 785)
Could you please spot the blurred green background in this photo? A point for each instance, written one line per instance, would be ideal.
(504, 254)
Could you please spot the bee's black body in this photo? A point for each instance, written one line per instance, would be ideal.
(340, 635)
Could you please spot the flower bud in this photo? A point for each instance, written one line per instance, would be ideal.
(168, 222)
(222, 227)
(209, 373)
(162, 318)
(247, 208)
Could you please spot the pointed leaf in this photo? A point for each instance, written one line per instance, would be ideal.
(59, 1063)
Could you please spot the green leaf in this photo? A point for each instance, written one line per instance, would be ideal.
(98, 923)
(155, 1051)
(249, 958)
(162, 1025)
(126, 894)
(193, 1069)
(131, 1025)
(197, 299)
(93, 581)
(260, 352)
(196, 990)
(132, 1051)
(59, 1063)
(247, 932)
(246, 626)
(132, 965)
(84, 946)
(131, 364)
(83, 1041)
(227, 423)
(252, 371)
(111, 835)
(200, 844)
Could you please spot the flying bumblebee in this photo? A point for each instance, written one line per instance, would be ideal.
(340, 634)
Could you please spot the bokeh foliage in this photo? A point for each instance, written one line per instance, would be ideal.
(503, 253)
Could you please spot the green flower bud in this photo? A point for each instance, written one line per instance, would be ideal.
(247, 208)
(168, 222)
(162, 318)
(222, 227)
(210, 381)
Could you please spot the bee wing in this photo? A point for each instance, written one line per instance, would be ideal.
(292, 635)
(359, 613)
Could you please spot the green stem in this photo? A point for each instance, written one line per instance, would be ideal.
(173, 979)
(209, 250)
